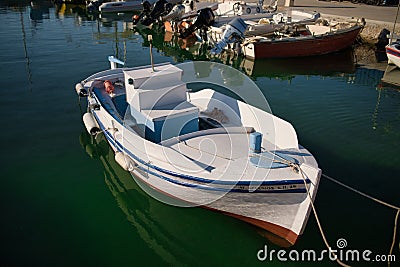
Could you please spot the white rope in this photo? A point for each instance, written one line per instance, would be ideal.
(394, 24)
(318, 221)
(394, 235)
(361, 193)
(378, 201)
(296, 167)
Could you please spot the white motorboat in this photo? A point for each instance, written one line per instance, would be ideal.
(128, 5)
(203, 148)
(121, 6)
(393, 53)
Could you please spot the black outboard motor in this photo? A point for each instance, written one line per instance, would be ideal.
(205, 19)
(380, 46)
(146, 11)
(383, 39)
(160, 8)
(93, 6)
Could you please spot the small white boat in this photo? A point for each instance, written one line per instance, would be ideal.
(393, 53)
(127, 5)
(203, 148)
(121, 6)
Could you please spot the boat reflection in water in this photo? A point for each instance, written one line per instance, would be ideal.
(391, 77)
(39, 10)
(168, 229)
(325, 65)
(342, 62)
(173, 46)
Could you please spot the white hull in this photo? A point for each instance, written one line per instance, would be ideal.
(283, 214)
(393, 53)
(122, 6)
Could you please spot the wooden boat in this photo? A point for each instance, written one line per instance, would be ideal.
(142, 211)
(393, 53)
(203, 148)
(314, 40)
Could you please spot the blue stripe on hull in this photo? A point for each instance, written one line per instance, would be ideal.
(119, 147)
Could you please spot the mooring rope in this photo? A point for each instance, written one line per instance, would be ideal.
(297, 167)
(318, 221)
(394, 24)
(361, 193)
(394, 235)
(378, 201)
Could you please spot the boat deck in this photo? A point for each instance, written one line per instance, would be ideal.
(223, 153)
(220, 152)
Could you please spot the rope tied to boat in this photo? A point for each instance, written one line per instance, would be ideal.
(297, 168)
(377, 201)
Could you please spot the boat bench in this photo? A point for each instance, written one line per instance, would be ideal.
(219, 130)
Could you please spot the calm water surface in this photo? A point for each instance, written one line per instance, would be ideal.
(65, 202)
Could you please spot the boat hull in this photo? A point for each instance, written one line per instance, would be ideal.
(121, 6)
(274, 194)
(283, 212)
(284, 220)
(393, 55)
(301, 46)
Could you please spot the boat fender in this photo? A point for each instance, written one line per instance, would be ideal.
(125, 162)
(91, 124)
(80, 90)
(93, 103)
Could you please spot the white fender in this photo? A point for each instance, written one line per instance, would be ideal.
(125, 162)
(91, 124)
(80, 90)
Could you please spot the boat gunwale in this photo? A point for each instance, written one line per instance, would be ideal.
(121, 148)
(261, 39)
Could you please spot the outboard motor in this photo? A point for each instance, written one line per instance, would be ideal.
(160, 8)
(205, 19)
(93, 6)
(234, 32)
(175, 14)
(146, 11)
(190, 5)
(383, 39)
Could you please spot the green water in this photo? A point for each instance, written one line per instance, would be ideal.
(65, 202)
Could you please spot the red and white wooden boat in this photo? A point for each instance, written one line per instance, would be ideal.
(314, 40)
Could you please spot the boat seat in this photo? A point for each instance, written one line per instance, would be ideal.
(219, 130)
